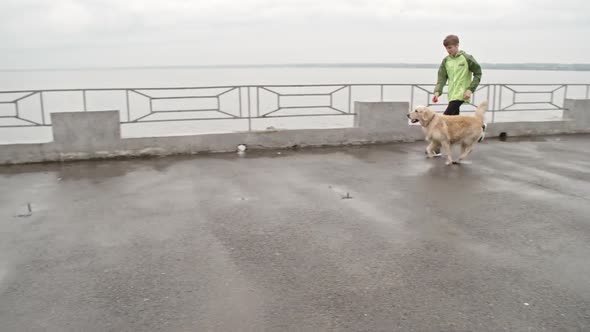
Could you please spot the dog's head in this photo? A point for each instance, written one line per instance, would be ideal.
(421, 114)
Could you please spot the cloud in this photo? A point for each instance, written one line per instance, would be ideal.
(67, 15)
(275, 31)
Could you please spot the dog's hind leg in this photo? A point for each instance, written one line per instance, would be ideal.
(465, 150)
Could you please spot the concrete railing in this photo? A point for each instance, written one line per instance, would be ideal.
(90, 135)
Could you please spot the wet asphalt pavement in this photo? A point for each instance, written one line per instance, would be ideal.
(374, 238)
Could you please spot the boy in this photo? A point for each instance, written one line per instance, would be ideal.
(457, 68)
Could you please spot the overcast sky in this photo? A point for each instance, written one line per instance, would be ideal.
(70, 33)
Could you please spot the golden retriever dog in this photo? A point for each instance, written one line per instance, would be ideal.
(446, 130)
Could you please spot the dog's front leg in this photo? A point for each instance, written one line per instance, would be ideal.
(432, 149)
(447, 149)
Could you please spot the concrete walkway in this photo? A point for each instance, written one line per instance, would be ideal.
(270, 241)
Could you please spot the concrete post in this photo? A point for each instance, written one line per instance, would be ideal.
(386, 121)
(382, 116)
(86, 132)
(578, 112)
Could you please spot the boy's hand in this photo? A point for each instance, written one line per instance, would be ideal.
(435, 98)
(467, 94)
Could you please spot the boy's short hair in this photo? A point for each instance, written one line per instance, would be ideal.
(451, 40)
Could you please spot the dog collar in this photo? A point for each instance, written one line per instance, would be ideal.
(427, 123)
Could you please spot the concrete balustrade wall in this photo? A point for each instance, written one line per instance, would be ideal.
(91, 135)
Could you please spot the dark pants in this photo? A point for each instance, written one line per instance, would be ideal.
(453, 108)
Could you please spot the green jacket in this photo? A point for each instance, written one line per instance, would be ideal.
(458, 70)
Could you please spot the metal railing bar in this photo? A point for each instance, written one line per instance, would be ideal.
(273, 92)
(412, 97)
(22, 126)
(227, 91)
(507, 107)
(350, 99)
(128, 105)
(308, 115)
(532, 110)
(535, 92)
(421, 88)
(271, 86)
(181, 120)
(496, 98)
(341, 88)
(558, 88)
(299, 107)
(84, 100)
(42, 102)
(500, 98)
(139, 93)
(493, 105)
(531, 102)
(228, 114)
(185, 111)
(509, 88)
(337, 110)
(489, 94)
(29, 121)
(481, 87)
(240, 100)
(183, 97)
(249, 111)
(25, 96)
(271, 112)
(305, 94)
(142, 117)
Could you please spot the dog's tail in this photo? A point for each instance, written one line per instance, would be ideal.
(481, 111)
(484, 126)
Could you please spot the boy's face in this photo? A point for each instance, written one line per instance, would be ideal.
(452, 49)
